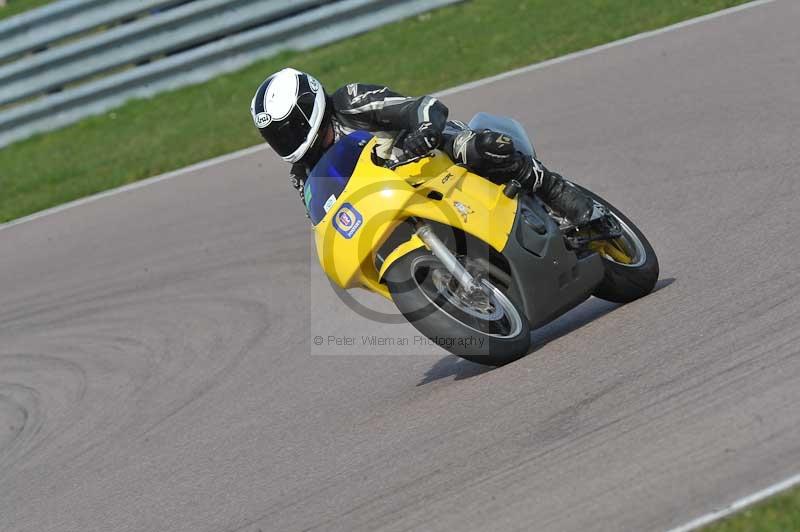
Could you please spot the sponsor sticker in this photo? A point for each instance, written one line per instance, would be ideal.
(263, 120)
(313, 84)
(463, 209)
(329, 203)
(347, 220)
(307, 194)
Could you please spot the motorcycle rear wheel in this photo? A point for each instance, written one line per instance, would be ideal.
(623, 283)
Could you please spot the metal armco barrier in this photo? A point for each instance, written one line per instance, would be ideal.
(76, 58)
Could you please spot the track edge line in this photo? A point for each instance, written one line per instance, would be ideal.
(739, 504)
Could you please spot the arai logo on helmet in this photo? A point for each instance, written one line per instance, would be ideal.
(263, 120)
(347, 220)
(313, 83)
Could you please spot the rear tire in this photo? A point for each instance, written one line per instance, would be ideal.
(624, 283)
(441, 321)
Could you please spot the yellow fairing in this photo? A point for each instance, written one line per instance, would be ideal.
(432, 189)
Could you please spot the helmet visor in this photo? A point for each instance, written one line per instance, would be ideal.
(287, 135)
(307, 102)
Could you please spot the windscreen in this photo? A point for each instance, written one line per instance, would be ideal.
(329, 177)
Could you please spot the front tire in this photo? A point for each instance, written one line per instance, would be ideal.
(493, 334)
(623, 283)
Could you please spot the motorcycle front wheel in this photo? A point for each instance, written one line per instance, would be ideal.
(486, 327)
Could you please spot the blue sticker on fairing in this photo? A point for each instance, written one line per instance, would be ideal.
(347, 220)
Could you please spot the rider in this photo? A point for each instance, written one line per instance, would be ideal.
(300, 121)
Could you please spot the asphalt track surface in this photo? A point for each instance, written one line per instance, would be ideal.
(158, 373)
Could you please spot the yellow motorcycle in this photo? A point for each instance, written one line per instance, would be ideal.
(472, 265)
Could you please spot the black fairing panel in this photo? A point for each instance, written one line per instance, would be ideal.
(548, 278)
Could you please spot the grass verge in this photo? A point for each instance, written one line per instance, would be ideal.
(429, 52)
(15, 7)
(780, 513)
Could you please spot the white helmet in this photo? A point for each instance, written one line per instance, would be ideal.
(288, 109)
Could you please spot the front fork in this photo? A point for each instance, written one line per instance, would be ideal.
(449, 261)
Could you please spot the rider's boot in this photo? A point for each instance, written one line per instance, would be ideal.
(565, 198)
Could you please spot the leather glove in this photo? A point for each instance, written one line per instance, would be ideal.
(503, 162)
(423, 140)
(495, 148)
